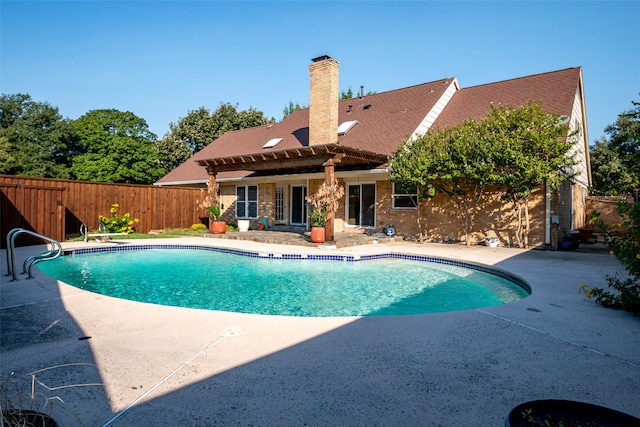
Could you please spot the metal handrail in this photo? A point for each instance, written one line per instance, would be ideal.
(54, 252)
(10, 253)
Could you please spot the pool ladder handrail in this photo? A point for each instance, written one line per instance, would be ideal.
(54, 252)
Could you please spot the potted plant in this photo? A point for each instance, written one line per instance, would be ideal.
(217, 225)
(324, 202)
(568, 243)
(567, 413)
(18, 411)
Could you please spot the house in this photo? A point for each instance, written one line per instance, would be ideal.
(268, 171)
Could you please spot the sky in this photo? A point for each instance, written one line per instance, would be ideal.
(162, 59)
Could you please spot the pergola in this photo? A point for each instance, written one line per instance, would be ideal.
(326, 156)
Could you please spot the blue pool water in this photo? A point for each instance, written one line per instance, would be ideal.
(212, 280)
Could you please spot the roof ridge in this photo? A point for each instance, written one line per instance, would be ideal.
(444, 80)
(523, 77)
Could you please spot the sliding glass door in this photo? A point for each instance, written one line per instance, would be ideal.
(361, 205)
(298, 205)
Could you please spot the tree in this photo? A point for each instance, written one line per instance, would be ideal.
(615, 163)
(510, 150)
(349, 94)
(456, 161)
(286, 112)
(201, 127)
(530, 147)
(610, 173)
(35, 140)
(118, 148)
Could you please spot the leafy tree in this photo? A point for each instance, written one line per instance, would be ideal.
(201, 127)
(349, 94)
(530, 147)
(35, 140)
(610, 173)
(511, 150)
(615, 163)
(456, 161)
(346, 95)
(118, 148)
(286, 112)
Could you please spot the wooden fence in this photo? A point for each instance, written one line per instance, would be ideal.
(57, 208)
(607, 206)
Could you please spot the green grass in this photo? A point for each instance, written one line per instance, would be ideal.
(167, 233)
(164, 234)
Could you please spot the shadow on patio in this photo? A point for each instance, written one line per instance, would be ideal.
(167, 365)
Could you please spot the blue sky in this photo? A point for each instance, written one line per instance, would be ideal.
(161, 59)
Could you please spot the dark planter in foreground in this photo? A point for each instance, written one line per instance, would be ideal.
(13, 417)
(568, 244)
(567, 413)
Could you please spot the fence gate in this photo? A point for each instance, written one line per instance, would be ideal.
(39, 209)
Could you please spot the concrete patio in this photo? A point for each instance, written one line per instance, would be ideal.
(159, 365)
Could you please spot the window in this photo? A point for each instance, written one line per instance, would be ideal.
(272, 143)
(405, 196)
(247, 201)
(346, 127)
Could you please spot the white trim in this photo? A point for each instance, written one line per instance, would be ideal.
(547, 213)
(437, 108)
(174, 183)
(277, 178)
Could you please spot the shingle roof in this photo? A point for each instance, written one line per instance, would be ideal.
(556, 91)
(386, 119)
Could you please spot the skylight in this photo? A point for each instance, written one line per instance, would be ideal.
(272, 142)
(346, 127)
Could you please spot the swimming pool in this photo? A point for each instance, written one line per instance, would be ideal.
(285, 284)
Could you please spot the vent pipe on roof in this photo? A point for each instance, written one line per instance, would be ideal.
(323, 100)
(361, 91)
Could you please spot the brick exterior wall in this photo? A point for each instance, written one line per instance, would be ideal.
(323, 101)
(439, 219)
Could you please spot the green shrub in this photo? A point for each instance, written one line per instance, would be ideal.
(623, 240)
(625, 295)
(199, 227)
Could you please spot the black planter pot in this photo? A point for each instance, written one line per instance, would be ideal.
(14, 417)
(570, 412)
(568, 244)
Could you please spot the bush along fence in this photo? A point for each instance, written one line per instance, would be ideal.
(623, 239)
(57, 208)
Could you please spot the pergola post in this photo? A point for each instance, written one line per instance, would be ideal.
(212, 187)
(329, 176)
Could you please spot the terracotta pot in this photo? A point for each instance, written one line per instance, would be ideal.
(218, 227)
(261, 226)
(317, 234)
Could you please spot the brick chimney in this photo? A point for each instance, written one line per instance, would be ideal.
(323, 101)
